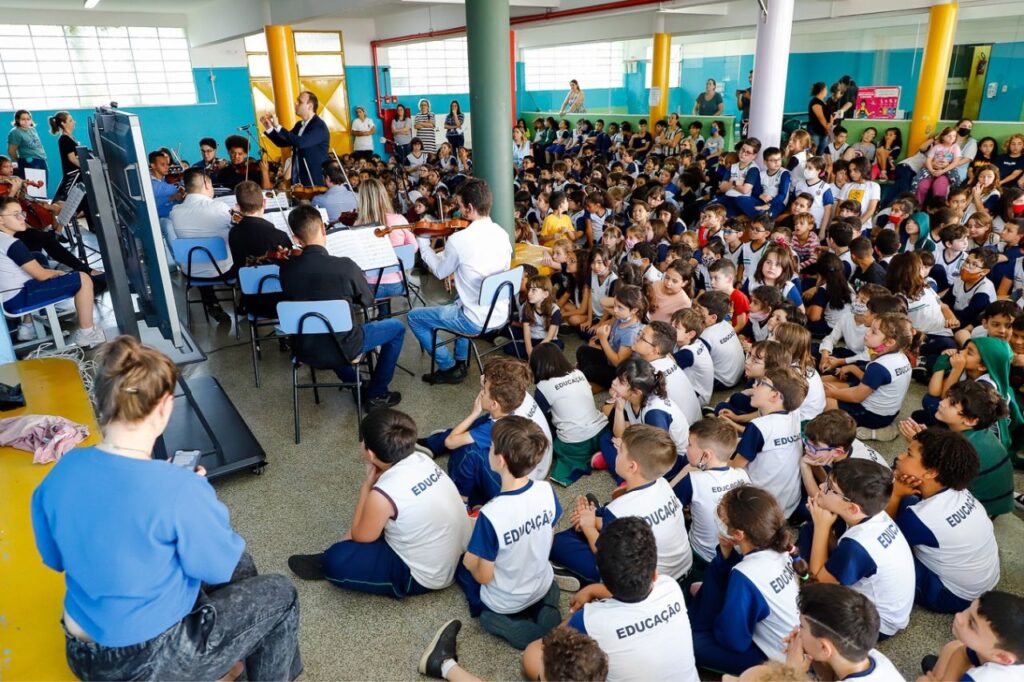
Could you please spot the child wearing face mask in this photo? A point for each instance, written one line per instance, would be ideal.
(853, 324)
(813, 184)
(763, 301)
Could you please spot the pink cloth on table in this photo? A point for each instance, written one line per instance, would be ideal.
(398, 238)
(47, 436)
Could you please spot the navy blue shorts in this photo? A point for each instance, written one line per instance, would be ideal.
(36, 293)
(863, 417)
(370, 567)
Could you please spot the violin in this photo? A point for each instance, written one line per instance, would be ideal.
(427, 228)
(274, 256)
(303, 193)
(175, 174)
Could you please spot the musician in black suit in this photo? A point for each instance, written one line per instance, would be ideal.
(309, 140)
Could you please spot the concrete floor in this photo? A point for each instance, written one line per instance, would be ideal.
(304, 501)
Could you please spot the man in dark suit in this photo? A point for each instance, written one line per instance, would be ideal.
(252, 237)
(309, 140)
(315, 275)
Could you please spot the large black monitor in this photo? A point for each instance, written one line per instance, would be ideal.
(116, 137)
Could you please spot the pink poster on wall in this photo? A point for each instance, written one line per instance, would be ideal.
(877, 101)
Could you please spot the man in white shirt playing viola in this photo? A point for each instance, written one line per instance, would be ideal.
(471, 255)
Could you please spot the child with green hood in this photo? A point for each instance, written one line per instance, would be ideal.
(915, 233)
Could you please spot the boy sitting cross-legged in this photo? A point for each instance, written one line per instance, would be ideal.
(505, 573)
(989, 642)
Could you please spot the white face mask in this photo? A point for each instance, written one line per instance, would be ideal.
(859, 307)
(811, 174)
(636, 261)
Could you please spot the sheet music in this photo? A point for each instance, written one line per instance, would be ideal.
(228, 200)
(71, 203)
(280, 220)
(369, 251)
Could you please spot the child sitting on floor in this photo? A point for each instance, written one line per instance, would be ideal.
(722, 342)
(989, 642)
(692, 354)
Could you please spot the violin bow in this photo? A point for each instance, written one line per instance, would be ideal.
(348, 183)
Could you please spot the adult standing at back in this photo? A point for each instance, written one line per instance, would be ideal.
(24, 145)
(426, 128)
(309, 139)
(819, 125)
(363, 130)
(454, 126)
(574, 100)
(471, 255)
(401, 132)
(743, 104)
(159, 585)
(709, 103)
(848, 100)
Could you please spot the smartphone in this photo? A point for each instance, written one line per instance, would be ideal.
(186, 459)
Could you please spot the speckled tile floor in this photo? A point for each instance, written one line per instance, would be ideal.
(304, 501)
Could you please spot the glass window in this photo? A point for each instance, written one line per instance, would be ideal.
(257, 42)
(436, 67)
(674, 69)
(317, 42)
(319, 65)
(594, 65)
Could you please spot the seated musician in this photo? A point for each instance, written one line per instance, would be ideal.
(338, 198)
(199, 217)
(253, 237)
(165, 194)
(241, 167)
(210, 162)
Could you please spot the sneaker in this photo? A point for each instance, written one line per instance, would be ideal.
(389, 399)
(920, 375)
(217, 313)
(928, 663)
(455, 374)
(597, 462)
(307, 566)
(1018, 501)
(88, 338)
(592, 499)
(441, 648)
(567, 582)
(707, 411)
(422, 448)
(26, 332)
(885, 434)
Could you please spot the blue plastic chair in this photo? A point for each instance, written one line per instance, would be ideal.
(205, 251)
(51, 317)
(493, 289)
(255, 281)
(304, 318)
(406, 254)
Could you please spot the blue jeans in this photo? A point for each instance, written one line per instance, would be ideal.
(422, 322)
(386, 291)
(389, 336)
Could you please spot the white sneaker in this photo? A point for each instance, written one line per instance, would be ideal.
(887, 433)
(26, 332)
(88, 338)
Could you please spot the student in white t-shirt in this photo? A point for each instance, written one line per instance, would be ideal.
(770, 447)
(645, 454)
(564, 397)
(505, 571)
(877, 399)
(637, 615)
(989, 644)
(837, 635)
(954, 544)
(704, 482)
(655, 344)
(410, 525)
(871, 556)
(723, 344)
(747, 605)
(692, 354)
(862, 189)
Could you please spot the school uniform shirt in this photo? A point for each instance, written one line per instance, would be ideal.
(645, 640)
(881, 670)
(653, 274)
(873, 558)
(569, 403)
(863, 193)
(13, 254)
(764, 584)
(428, 529)
(989, 672)
(532, 411)
(695, 360)
(538, 329)
(735, 255)
(889, 376)
(849, 332)
(515, 530)
(836, 152)
(950, 265)
(750, 258)
(701, 491)
(664, 414)
(772, 447)
(599, 290)
(658, 506)
(822, 195)
(953, 538)
(970, 303)
(597, 221)
(925, 313)
(777, 187)
(726, 353)
(814, 402)
(831, 315)
(860, 450)
(751, 175)
(680, 389)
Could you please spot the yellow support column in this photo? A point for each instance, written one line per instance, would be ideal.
(660, 64)
(931, 84)
(284, 72)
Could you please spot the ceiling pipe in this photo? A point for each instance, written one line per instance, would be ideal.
(515, 21)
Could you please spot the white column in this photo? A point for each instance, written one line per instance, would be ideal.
(771, 66)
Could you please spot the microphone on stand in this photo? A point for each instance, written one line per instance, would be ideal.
(246, 127)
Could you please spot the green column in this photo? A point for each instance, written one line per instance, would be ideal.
(487, 35)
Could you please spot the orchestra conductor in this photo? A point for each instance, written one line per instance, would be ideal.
(309, 139)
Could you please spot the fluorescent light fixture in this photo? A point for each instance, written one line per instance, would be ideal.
(89, 4)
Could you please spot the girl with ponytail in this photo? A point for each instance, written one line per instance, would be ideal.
(747, 604)
(638, 395)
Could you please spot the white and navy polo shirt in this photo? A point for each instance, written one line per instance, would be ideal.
(889, 376)
(514, 531)
(881, 670)
(657, 504)
(772, 446)
(664, 414)
(991, 671)
(874, 559)
(814, 401)
(570, 403)
(13, 254)
(977, 297)
(532, 411)
(950, 265)
(599, 290)
(925, 313)
(954, 539)
(538, 330)
(695, 360)
(726, 352)
(764, 584)
(644, 640)
(859, 450)
(680, 389)
(702, 491)
(750, 258)
(822, 194)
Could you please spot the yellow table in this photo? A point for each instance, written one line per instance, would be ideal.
(31, 595)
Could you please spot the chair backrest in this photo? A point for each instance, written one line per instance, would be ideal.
(494, 288)
(205, 251)
(260, 279)
(315, 317)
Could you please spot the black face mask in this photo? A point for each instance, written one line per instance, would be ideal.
(964, 132)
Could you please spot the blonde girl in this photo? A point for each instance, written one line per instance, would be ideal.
(796, 340)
